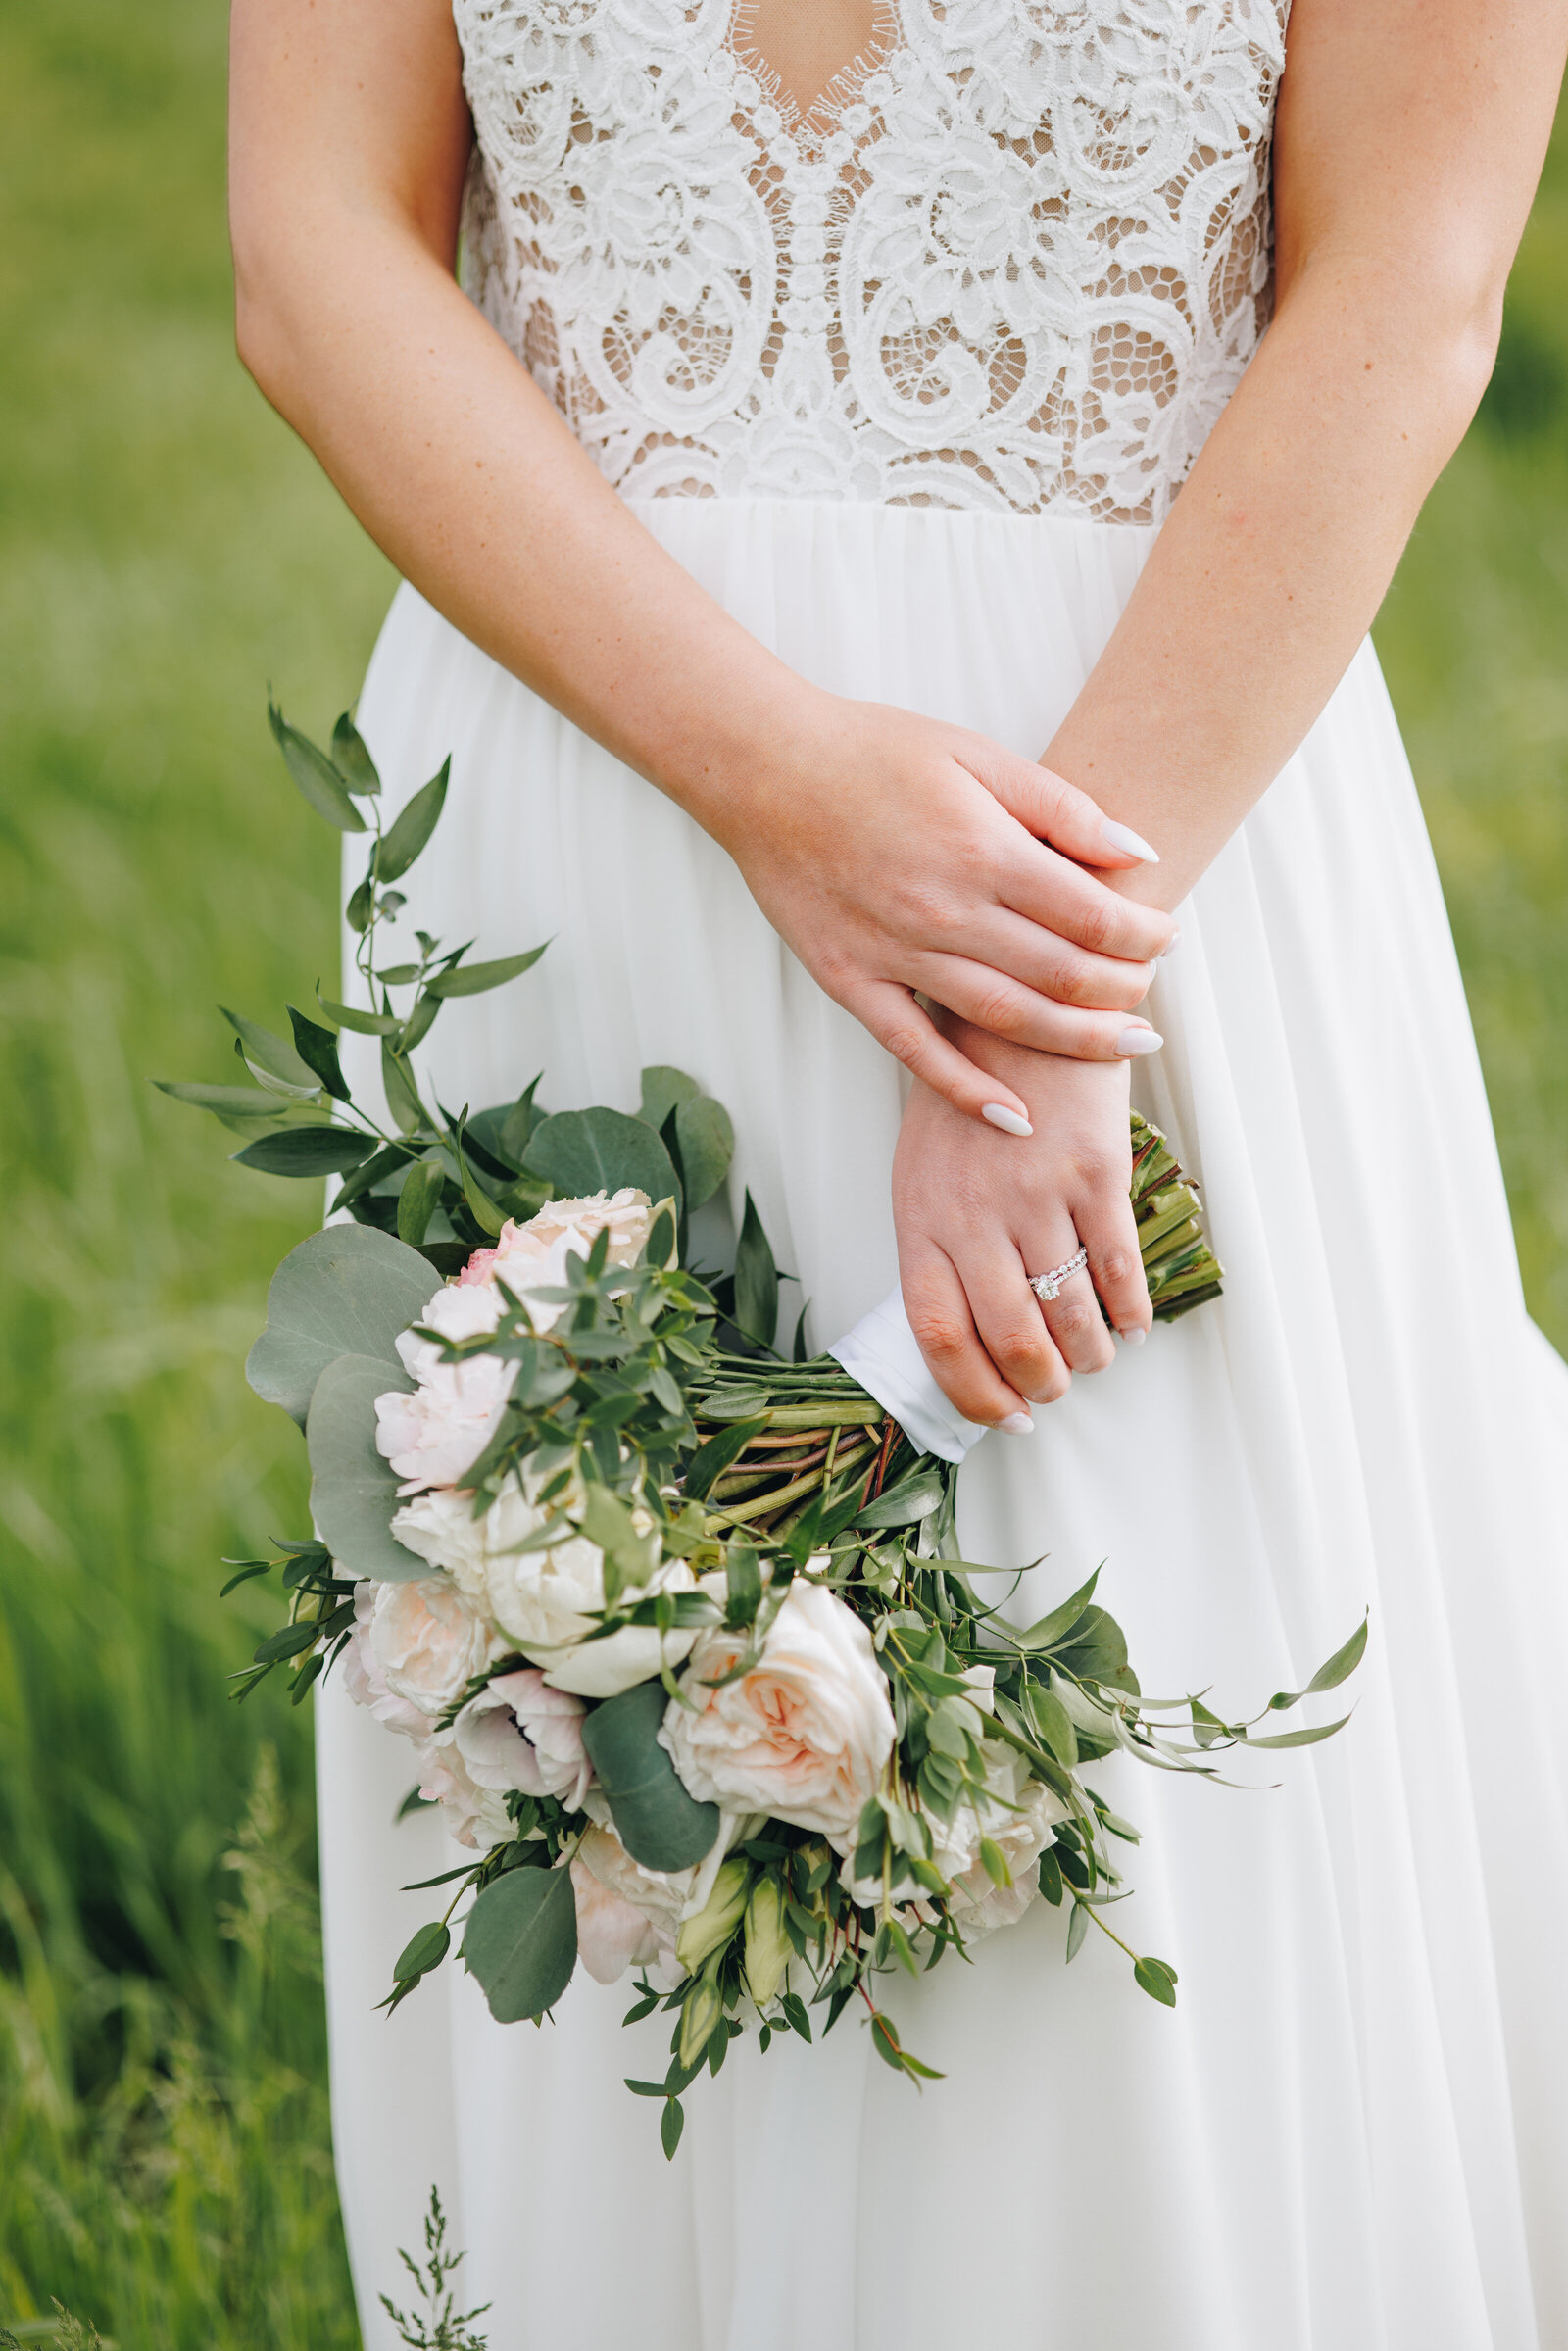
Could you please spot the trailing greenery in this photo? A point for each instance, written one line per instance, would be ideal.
(165, 549)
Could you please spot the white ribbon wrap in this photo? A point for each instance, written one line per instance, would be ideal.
(882, 1353)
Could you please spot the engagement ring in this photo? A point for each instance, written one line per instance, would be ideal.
(1046, 1285)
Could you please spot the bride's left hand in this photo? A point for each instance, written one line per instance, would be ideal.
(978, 1214)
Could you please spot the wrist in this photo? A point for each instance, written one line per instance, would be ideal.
(730, 764)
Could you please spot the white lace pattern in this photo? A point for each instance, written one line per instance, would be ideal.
(1016, 261)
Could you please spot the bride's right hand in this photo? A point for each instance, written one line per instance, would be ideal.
(900, 857)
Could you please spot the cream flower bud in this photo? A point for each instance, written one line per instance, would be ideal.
(767, 1947)
(718, 1917)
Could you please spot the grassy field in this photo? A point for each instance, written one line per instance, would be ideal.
(165, 550)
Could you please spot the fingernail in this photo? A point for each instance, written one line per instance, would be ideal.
(1017, 1424)
(1169, 944)
(1131, 844)
(1133, 1042)
(1011, 1124)
(1134, 1337)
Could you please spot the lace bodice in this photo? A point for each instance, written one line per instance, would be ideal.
(1016, 259)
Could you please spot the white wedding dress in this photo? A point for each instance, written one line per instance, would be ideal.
(909, 386)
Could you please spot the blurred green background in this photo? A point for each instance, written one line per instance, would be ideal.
(166, 549)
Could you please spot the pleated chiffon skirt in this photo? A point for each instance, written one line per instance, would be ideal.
(1351, 2134)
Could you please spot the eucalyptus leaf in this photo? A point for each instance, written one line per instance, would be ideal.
(1153, 1976)
(1077, 1929)
(520, 1942)
(905, 1503)
(756, 1279)
(1300, 1739)
(318, 1048)
(474, 979)
(271, 1052)
(307, 1151)
(707, 1143)
(662, 1088)
(224, 1102)
(346, 1290)
(352, 760)
(398, 847)
(660, 1823)
(1339, 1668)
(1048, 1631)
(517, 1125)
(584, 1151)
(313, 771)
(421, 1188)
(364, 1024)
(353, 1491)
(402, 1095)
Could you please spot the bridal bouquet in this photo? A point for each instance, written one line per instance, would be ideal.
(676, 1626)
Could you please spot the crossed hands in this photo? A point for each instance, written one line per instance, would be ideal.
(949, 894)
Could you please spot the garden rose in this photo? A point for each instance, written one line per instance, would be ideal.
(365, 1682)
(517, 1732)
(659, 1901)
(541, 1598)
(428, 1641)
(442, 1529)
(805, 1735)
(477, 1817)
(434, 1436)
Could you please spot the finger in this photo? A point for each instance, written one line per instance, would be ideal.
(1052, 965)
(1055, 811)
(1050, 890)
(1007, 1314)
(897, 1021)
(1109, 1231)
(939, 1316)
(1073, 1317)
(989, 999)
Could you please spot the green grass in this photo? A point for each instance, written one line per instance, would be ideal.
(166, 550)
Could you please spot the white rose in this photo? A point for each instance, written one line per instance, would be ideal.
(533, 1257)
(477, 1817)
(434, 1436)
(518, 1733)
(428, 1641)
(542, 1599)
(365, 1682)
(804, 1736)
(1018, 1814)
(442, 1529)
(618, 1892)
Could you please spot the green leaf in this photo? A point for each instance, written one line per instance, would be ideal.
(473, 979)
(1098, 1649)
(315, 774)
(428, 1947)
(660, 1823)
(1053, 1724)
(421, 1021)
(1049, 1878)
(398, 847)
(364, 1024)
(402, 1095)
(1300, 1739)
(313, 1151)
(904, 1504)
(1077, 1929)
(346, 1290)
(1048, 1631)
(1153, 1976)
(372, 1171)
(711, 1460)
(756, 1279)
(360, 906)
(662, 1088)
(995, 1862)
(318, 1048)
(517, 1125)
(707, 1141)
(584, 1151)
(271, 1052)
(672, 2123)
(421, 1188)
(353, 1492)
(352, 760)
(1340, 1667)
(520, 1942)
(224, 1102)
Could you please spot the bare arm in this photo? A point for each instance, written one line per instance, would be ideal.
(866, 834)
(1411, 136)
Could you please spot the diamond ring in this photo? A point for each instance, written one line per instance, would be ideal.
(1046, 1285)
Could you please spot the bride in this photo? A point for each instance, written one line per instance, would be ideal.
(877, 579)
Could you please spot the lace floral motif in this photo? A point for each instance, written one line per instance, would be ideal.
(1016, 261)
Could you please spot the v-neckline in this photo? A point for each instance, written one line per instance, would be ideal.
(811, 127)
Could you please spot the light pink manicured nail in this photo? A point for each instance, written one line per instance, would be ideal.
(1008, 1120)
(1170, 944)
(1133, 1042)
(1135, 1337)
(1017, 1424)
(1131, 844)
